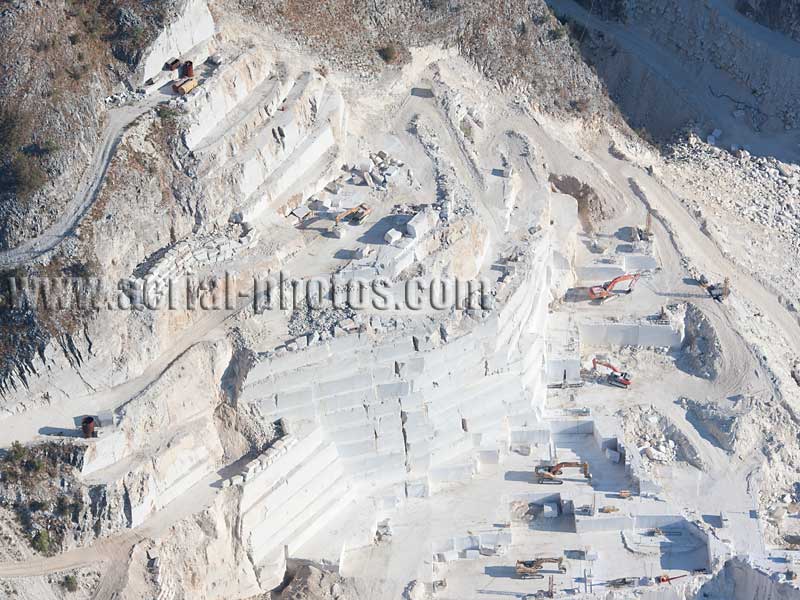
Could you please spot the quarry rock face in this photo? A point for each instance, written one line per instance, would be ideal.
(328, 300)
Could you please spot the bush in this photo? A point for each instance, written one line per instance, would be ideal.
(62, 507)
(16, 453)
(41, 542)
(19, 172)
(558, 33)
(388, 53)
(26, 175)
(167, 114)
(70, 583)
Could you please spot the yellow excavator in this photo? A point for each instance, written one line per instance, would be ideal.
(549, 473)
(530, 569)
(359, 214)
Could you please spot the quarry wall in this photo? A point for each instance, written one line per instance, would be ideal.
(763, 63)
(193, 25)
(420, 408)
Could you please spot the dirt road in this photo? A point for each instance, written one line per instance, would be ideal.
(118, 121)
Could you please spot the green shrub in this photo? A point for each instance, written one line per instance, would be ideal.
(70, 583)
(16, 453)
(41, 542)
(388, 53)
(62, 506)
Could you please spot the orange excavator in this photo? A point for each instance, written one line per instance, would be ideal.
(603, 292)
(616, 378)
(548, 473)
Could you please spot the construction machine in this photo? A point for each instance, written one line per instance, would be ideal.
(617, 378)
(603, 292)
(530, 569)
(549, 473)
(358, 213)
(668, 579)
(720, 291)
(645, 234)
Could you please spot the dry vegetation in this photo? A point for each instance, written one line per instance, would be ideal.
(31, 487)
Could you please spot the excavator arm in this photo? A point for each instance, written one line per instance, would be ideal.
(602, 363)
(550, 471)
(601, 292)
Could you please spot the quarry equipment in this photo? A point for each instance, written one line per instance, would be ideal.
(617, 378)
(720, 291)
(530, 568)
(668, 579)
(88, 427)
(548, 473)
(603, 292)
(358, 213)
(621, 582)
(184, 86)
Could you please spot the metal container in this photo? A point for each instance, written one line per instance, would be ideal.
(87, 427)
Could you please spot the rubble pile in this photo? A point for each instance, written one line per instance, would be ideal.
(376, 171)
(656, 438)
(702, 350)
(321, 321)
(722, 425)
(452, 197)
(750, 206)
(311, 583)
(763, 190)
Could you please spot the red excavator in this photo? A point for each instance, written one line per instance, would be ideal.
(668, 579)
(616, 378)
(548, 473)
(603, 292)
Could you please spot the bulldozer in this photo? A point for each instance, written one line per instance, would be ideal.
(549, 473)
(605, 291)
(617, 378)
(530, 569)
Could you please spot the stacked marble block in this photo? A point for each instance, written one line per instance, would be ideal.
(420, 407)
(287, 496)
(469, 547)
(221, 93)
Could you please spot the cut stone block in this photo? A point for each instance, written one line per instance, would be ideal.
(392, 236)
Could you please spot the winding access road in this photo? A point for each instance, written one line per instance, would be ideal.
(89, 187)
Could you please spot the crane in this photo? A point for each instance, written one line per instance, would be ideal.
(602, 292)
(616, 377)
(548, 473)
